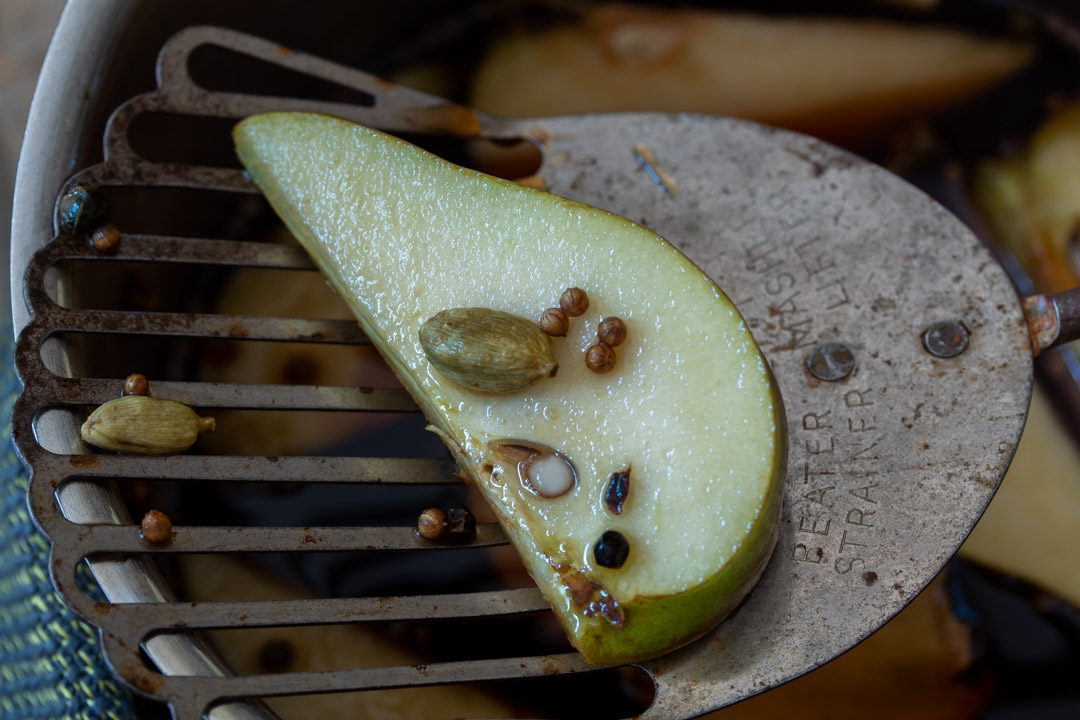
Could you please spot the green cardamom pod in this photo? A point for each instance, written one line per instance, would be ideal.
(487, 350)
(144, 425)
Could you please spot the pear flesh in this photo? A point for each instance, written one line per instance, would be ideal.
(691, 406)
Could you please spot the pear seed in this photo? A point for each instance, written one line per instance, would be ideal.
(549, 475)
(617, 489)
(541, 469)
(516, 451)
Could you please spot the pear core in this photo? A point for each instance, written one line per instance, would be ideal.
(691, 403)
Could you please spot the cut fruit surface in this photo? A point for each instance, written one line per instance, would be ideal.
(690, 405)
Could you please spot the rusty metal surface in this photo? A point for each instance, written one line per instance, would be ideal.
(888, 469)
(890, 463)
(1052, 319)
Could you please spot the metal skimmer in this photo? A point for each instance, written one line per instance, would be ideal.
(839, 268)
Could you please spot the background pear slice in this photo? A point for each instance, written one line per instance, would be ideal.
(691, 405)
(841, 79)
(1031, 203)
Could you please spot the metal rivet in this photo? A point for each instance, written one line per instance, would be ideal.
(945, 339)
(831, 362)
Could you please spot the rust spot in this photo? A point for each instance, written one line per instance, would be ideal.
(810, 379)
(283, 51)
(909, 424)
(869, 577)
(145, 681)
(1041, 314)
(102, 608)
(84, 462)
(237, 331)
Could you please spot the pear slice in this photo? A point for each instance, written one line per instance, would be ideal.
(690, 411)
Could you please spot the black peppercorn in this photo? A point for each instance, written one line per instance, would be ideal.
(611, 550)
(460, 523)
(81, 210)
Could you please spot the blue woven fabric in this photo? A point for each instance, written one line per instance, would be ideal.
(50, 661)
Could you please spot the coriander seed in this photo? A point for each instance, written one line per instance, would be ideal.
(554, 322)
(432, 524)
(612, 331)
(600, 358)
(156, 527)
(574, 302)
(136, 384)
(106, 239)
